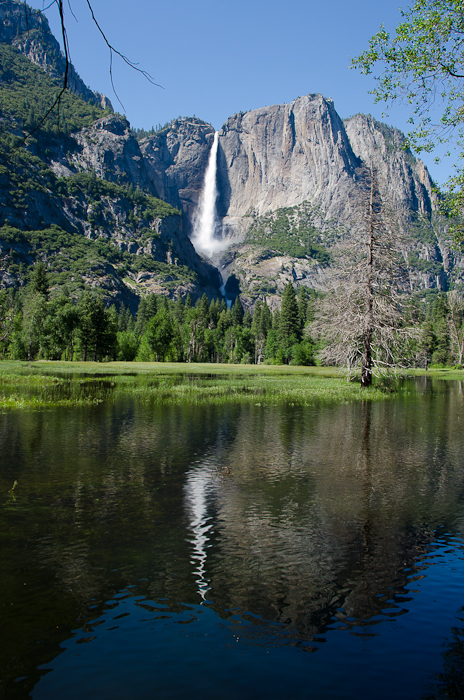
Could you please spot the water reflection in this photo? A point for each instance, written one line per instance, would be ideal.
(198, 491)
(291, 524)
(450, 682)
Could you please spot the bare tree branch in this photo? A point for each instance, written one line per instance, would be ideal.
(57, 100)
(121, 55)
(361, 321)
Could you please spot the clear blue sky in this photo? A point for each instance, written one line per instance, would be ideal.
(217, 57)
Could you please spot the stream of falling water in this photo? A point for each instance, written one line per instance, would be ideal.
(204, 228)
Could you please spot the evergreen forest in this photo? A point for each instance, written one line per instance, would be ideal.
(40, 322)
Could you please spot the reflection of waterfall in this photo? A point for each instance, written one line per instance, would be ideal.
(198, 488)
(204, 228)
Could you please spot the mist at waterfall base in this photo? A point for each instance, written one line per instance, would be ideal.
(205, 223)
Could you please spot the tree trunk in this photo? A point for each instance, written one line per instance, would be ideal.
(366, 368)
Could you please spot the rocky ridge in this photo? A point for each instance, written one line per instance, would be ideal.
(302, 155)
(176, 160)
(28, 31)
(290, 178)
(108, 149)
(92, 182)
(319, 162)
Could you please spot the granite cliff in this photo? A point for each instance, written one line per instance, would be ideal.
(300, 167)
(284, 155)
(289, 178)
(77, 194)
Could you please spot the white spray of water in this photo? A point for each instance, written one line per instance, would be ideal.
(204, 229)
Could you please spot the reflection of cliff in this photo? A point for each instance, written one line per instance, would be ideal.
(324, 509)
(298, 515)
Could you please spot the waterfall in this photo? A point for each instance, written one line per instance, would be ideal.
(204, 227)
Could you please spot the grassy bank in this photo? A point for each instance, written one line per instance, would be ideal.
(45, 384)
(442, 373)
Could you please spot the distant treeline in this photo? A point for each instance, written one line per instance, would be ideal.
(144, 133)
(36, 323)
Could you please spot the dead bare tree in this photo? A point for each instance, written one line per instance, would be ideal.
(361, 321)
(456, 324)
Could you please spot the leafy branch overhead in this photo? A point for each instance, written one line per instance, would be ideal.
(423, 66)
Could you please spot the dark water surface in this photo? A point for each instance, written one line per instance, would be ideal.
(234, 551)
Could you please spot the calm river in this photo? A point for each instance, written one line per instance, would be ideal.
(155, 552)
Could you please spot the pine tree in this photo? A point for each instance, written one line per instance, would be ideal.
(427, 342)
(39, 281)
(179, 309)
(203, 306)
(160, 333)
(148, 307)
(247, 319)
(266, 319)
(125, 319)
(289, 324)
(260, 326)
(8, 311)
(289, 330)
(214, 312)
(108, 344)
(302, 307)
(93, 327)
(237, 312)
(35, 311)
(439, 316)
(456, 325)
(276, 320)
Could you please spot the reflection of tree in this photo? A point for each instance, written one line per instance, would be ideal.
(450, 683)
(317, 517)
(327, 511)
(359, 599)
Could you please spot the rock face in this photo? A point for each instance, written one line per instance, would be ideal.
(268, 158)
(405, 181)
(109, 149)
(290, 178)
(283, 155)
(176, 160)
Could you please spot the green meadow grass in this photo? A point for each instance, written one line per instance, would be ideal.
(45, 384)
